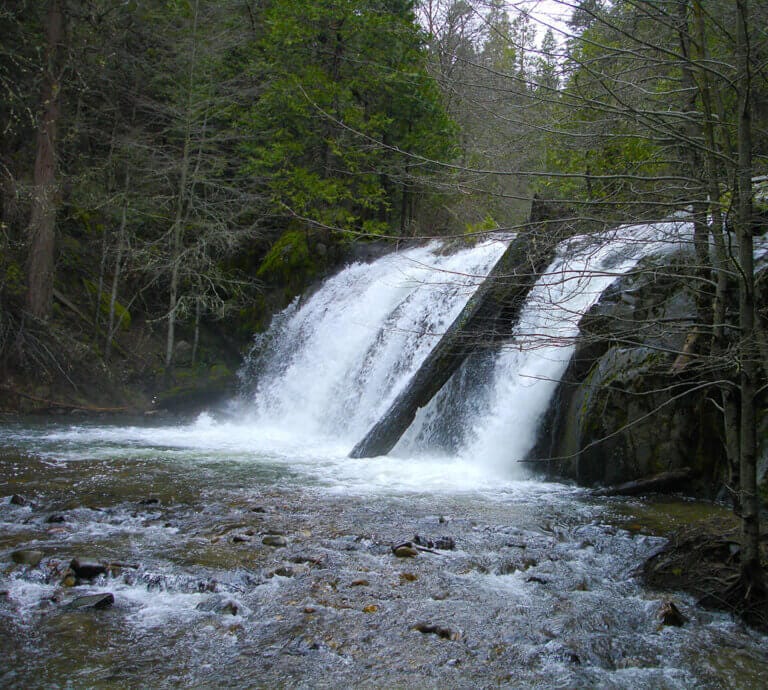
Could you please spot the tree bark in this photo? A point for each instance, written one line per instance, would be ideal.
(42, 223)
(751, 573)
(177, 230)
(111, 326)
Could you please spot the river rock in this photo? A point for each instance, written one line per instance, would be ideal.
(91, 601)
(28, 557)
(56, 519)
(274, 540)
(618, 414)
(439, 630)
(219, 604)
(87, 570)
(405, 551)
(669, 614)
(18, 500)
(440, 543)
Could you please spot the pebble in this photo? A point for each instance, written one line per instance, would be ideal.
(441, 632)
(405, 551)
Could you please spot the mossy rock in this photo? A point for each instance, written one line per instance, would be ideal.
(288, 257)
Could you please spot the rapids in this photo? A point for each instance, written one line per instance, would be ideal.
(539, 591)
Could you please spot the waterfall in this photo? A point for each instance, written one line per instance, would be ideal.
(330, 366)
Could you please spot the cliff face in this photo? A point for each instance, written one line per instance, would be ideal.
(630, 405)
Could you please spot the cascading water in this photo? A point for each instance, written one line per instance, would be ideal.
(331, 366)
(498, 425)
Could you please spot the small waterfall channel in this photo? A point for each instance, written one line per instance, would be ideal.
(244, 548)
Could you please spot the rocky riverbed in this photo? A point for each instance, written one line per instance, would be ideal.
(144, 571)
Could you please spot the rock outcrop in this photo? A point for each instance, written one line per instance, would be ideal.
(624, 410)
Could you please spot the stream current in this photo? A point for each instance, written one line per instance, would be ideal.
(244, 548)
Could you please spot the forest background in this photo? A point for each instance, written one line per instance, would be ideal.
(173, 172)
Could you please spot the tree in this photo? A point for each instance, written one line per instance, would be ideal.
(345, 91)
(664, 96)
(42, 223)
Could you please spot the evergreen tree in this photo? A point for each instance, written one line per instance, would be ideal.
(346, 116)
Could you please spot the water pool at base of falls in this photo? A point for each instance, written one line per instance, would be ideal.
(540, 588)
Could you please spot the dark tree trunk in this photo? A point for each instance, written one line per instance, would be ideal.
(751, 573)
(42, 223)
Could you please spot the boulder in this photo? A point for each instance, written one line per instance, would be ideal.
(624, 411)
(28, 557)
(87, 570)
(91, 601)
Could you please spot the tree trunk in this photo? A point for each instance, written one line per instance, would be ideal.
(177, 231)
(486, 319)
(111, 326)
(42, 223)
(751, 573)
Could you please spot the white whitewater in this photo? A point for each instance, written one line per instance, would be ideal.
(529, 368)
(331, 366)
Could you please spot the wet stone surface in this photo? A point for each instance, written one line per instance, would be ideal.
(534, 587)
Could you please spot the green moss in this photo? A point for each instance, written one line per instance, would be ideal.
(220, 371)
(288, 257)
(12, 282)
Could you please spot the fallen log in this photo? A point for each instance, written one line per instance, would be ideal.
(658, 483)
(487, 318)
(61, 404)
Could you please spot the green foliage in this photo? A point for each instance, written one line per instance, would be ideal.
(12, 279)
(487, 224)
(288, 259)
(346, 101)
